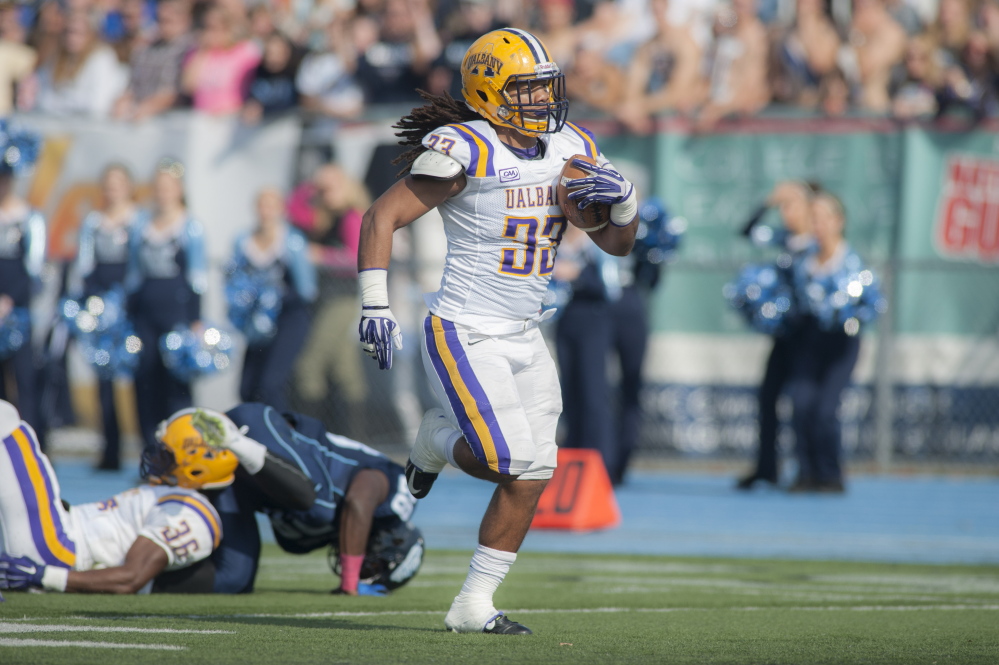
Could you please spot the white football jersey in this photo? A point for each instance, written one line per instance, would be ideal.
(181, 521)
(503, 229)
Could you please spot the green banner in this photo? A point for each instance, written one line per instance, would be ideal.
(928, 200)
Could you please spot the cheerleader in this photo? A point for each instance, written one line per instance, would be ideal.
(793, 199)
(165, 279)
(100, 265)
(22, 255)
(835, 295)
(275, 255)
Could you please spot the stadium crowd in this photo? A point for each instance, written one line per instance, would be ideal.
(631, 59)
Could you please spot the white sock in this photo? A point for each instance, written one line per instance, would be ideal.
(485, 573)
(445, 441)
(472, 610)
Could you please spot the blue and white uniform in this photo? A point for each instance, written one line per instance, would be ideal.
(22, 256)
(287, 268)
(166, 277)
(101, 263)
(330, 461)
(34, 522)
(482, 351)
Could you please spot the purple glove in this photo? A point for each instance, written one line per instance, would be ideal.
(605, 186)
(379, 332)
(19, 573)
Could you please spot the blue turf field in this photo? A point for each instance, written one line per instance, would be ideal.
(914, 519)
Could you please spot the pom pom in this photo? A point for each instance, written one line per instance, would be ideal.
(845, 299)
(764, 296)
(15, 331)
(658, 235)
(254, 298)
(106, 337)
(19, 148)
(189, 355)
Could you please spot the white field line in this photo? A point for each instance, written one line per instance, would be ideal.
(584, 610)
(13, 642)
(20, 627)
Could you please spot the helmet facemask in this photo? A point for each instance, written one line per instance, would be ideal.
(529, 117)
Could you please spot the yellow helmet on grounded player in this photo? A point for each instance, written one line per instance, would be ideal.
(182, 455)
(511, 56)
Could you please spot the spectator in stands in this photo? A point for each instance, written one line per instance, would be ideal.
(558, 32)
(133, 30)
(272, 90)
(325, 79)
(83, 76)
(473, 19)
(261, 24)
(12, 29)
(988, 18)
(664, 75)
(805, 54)
(277, 254)
(877, 44)
(952, 28)
(594, 81)
(217, 74)
(834, 94)
(46, 33)
(394, 62)
(739, 82)
(154, 84)
(905, 15)
(17, 60)
(328, 210)
(609, 26)
(915, 93)
(166, 278)
(971, 84)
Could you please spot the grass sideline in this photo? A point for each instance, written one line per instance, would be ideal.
(583, 609)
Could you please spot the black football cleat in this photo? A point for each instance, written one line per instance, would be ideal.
(503, 626)
(419, 482)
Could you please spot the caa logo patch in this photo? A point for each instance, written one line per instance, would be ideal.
(509, 175)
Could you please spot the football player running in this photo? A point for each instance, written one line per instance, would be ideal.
(317, 488)
(114, 546)
(489, 165)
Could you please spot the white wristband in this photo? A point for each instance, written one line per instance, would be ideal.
(55, 578)
(251, 454)
(623, 213)
(374, 287)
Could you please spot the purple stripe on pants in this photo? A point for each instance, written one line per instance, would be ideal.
(30, 501)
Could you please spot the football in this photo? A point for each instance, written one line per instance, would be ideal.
(592, 218)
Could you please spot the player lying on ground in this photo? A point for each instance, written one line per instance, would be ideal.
(357, 504)
(114, 546)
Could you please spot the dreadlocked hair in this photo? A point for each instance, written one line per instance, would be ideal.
(440, 110)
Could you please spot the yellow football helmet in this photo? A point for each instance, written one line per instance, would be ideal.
(501, 74)
(183, 456)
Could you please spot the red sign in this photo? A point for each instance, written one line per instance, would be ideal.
(968, 219)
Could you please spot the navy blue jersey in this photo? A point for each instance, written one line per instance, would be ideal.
(331, 462)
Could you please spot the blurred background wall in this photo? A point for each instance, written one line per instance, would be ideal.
(922, 206)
